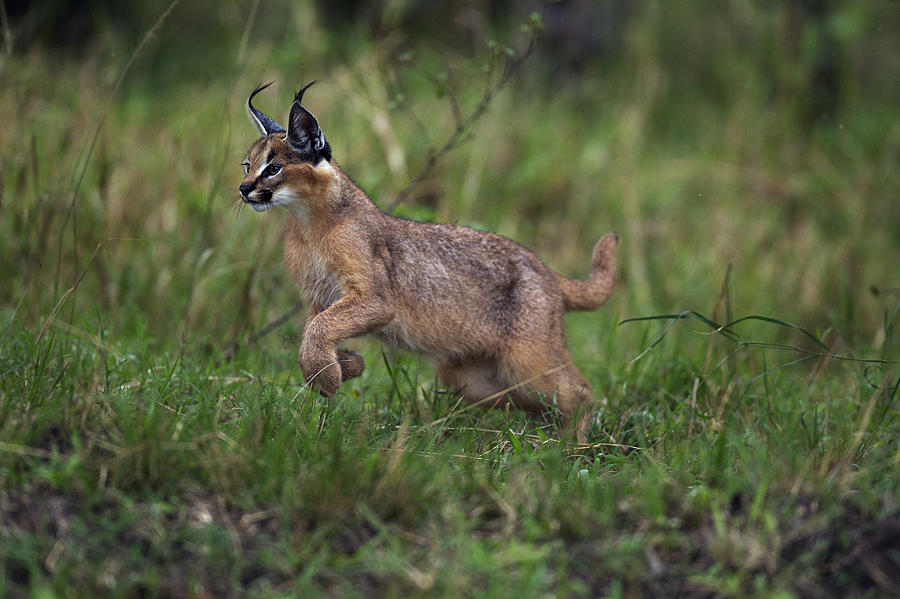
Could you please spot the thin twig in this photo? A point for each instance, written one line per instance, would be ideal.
(271, 326)
(67, 294)
(267, 328)
(462, 126)
(24, 450)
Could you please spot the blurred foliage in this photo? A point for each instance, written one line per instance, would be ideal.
(758, 134)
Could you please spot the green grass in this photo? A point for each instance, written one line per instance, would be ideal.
(135, 460)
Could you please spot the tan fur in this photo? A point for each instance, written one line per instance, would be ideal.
(487, 310)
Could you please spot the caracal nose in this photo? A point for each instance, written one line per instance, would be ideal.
(246, 188)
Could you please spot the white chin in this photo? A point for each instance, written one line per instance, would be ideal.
(260, 206)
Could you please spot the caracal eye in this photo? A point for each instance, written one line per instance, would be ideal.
(246, 166)
(272, 169)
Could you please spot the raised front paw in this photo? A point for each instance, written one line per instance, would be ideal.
(321, 372)
(352, 364)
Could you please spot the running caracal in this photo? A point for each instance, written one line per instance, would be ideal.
(484, 308)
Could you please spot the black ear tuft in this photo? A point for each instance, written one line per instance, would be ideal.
(264, 124)
(304, 134)
(298, 97)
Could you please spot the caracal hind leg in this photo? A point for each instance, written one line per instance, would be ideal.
(559, 385)
(574, 398)
(580, 399)
(476, 382)
(528, 387)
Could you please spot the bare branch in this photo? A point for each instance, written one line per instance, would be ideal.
(459, 132)
(232, 350)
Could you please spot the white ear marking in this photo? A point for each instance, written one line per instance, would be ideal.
(256, 122)
(325, 165)
(263, 124)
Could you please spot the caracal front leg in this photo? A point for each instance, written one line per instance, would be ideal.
(351, 363)
(324, 367)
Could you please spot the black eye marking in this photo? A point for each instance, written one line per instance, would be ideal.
(246, 166)
(272, 170)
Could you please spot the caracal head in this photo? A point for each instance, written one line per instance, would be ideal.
(286, 167)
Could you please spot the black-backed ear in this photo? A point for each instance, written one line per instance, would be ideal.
(304, 134)
(263, 124)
